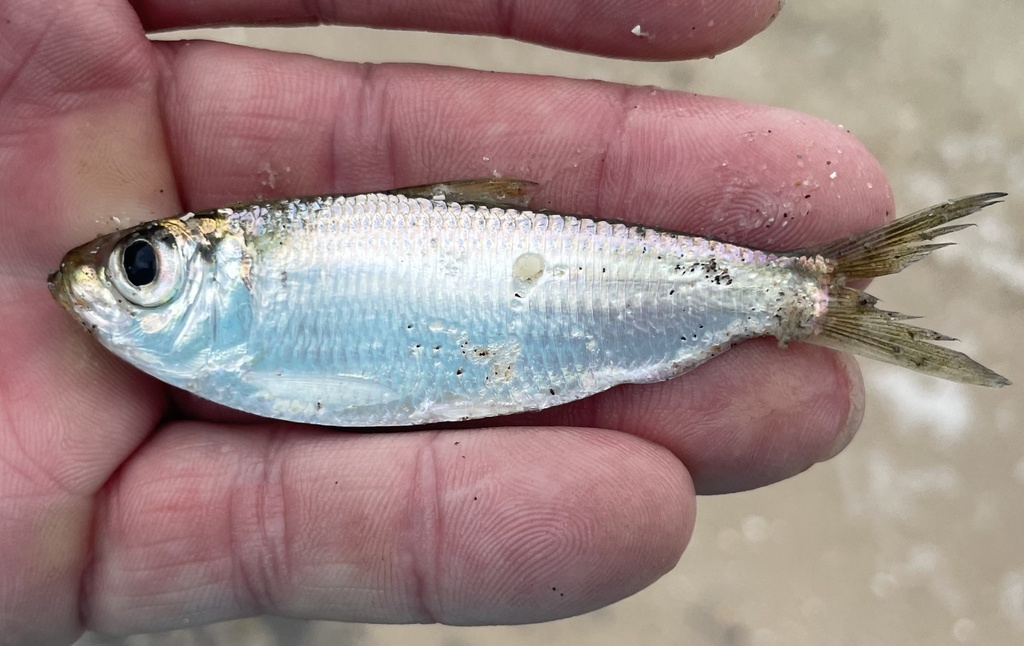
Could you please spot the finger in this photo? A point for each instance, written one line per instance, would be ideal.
(754, 175)
(648, 29)
(80, 142)
(488, 527)
(243, 122)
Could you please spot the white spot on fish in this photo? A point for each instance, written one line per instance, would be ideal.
(528, 267)
(639, 32)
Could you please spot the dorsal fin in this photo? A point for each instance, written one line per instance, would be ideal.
(495, 192)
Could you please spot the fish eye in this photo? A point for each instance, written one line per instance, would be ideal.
(146, 268)
(139, 263)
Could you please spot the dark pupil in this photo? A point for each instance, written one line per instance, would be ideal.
(139, 262)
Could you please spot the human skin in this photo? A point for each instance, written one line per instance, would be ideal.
(127, 507)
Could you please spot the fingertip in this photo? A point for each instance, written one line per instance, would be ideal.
(848, 368)
(728, 25)
(568, 534)
(760, 176)
(655, 30)
(755, 415)
(639, 29)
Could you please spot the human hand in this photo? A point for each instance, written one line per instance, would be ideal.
(127, 507)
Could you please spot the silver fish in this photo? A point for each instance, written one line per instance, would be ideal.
(450, 302)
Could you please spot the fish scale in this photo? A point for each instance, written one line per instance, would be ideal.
(409, 307)
(362, 269)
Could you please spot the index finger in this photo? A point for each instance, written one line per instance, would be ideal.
(644, 29)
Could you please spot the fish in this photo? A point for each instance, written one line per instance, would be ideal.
(455, 301)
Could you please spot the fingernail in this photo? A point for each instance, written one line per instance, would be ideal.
(847, 367)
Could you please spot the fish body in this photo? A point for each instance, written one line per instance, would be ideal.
(390, 309)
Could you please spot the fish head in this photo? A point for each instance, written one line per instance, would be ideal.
(141, 293)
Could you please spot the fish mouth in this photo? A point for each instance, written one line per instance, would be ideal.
(52, 281)
(74, 285)
(59, 289)
(80, 287)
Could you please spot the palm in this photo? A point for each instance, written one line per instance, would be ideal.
(115, 520)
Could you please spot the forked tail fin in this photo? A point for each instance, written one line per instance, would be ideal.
(852, 322)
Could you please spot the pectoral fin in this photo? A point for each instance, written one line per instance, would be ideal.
(333, 392)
